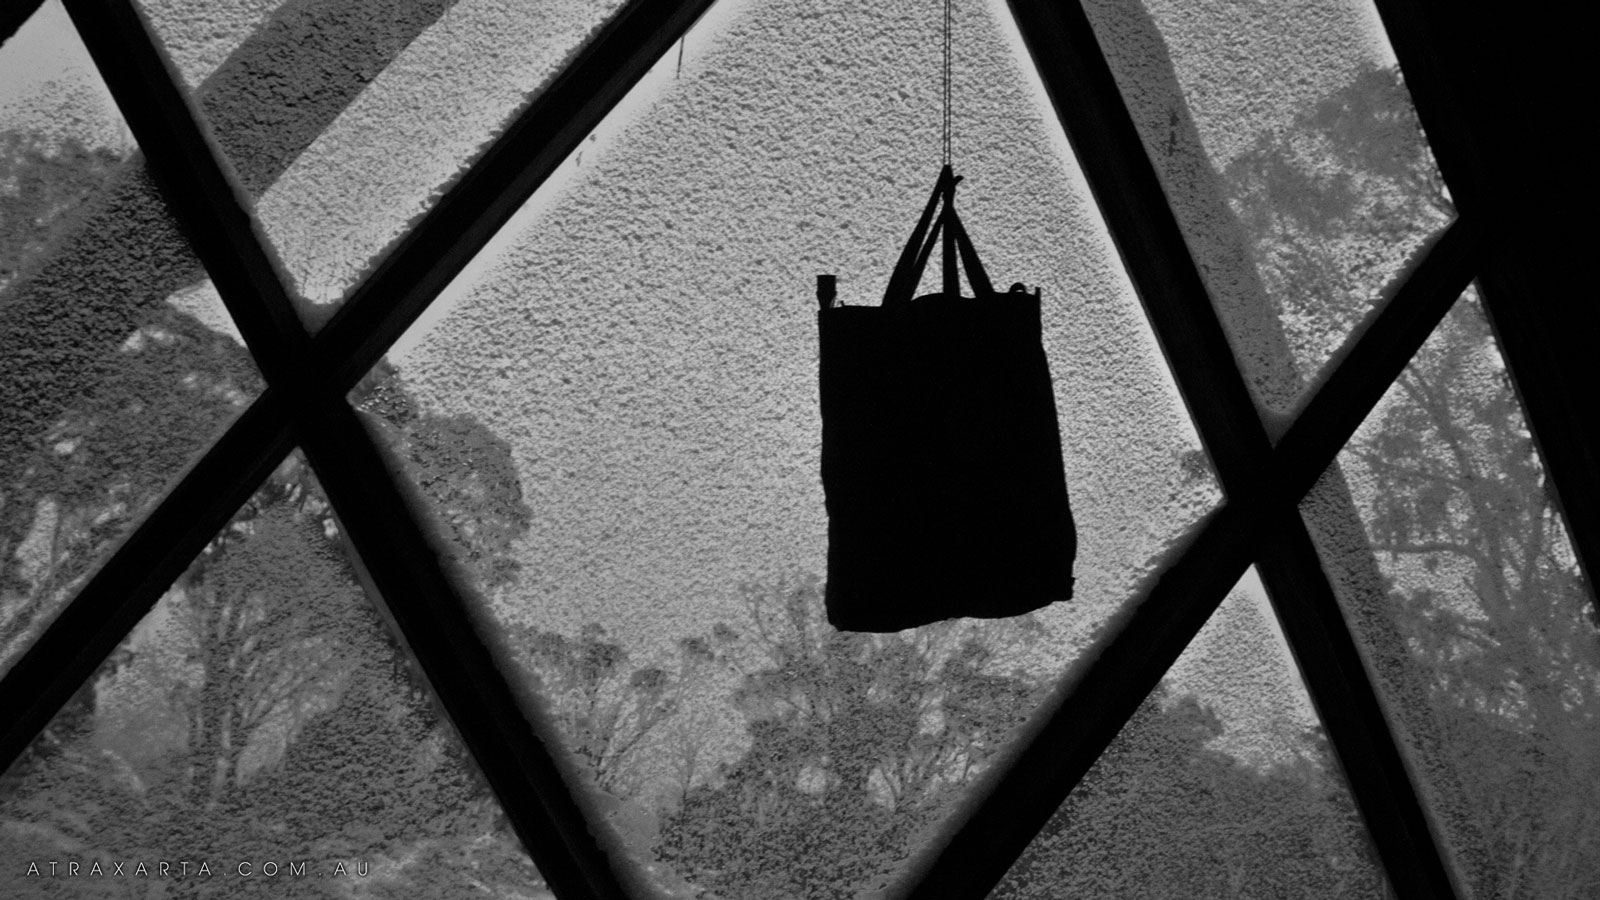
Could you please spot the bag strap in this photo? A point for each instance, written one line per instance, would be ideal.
(908, 271)
(969, 258)
(945, 229)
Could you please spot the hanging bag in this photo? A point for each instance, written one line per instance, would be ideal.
(941, 454)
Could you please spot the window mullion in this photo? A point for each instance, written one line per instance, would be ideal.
(1095, 700)
(1306, 606)
(196, 187)
(1103, 134)
(1376, 359)
(426, 606)
(1475, 74)
(1089, 708)
(532, 792)
(309, 379)
(1336, 678)
(463, 221)
(127, 586)
(1119, 173)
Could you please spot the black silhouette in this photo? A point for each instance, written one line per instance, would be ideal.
(941, 455)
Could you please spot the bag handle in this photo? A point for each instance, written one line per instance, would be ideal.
(945, 229)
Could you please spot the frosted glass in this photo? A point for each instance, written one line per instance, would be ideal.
(200, 35)
(61, 137)
(1221, 785)
(260, 723)
(630, 370)
(268, 78)
(118, 363)
(348, 119)
(1462, 589)
(1286, 141)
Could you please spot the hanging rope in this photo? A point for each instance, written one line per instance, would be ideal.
(947, 42)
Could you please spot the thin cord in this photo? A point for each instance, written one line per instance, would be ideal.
(947, 18)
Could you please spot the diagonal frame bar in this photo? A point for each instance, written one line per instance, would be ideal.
(614, 52)
(1112, 156)
(433, 618)
(156, 553)
(429, 612)
(66, 655)
(198, 191)
(1147, 233)
(265, 103)
(1472, 72)
(1093, 704)
(425, 261)
(303, 401)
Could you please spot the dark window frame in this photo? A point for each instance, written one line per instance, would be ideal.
(1499, 239)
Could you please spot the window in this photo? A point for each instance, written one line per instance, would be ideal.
(409, 456)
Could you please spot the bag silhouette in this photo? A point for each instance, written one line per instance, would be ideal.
(941, 453)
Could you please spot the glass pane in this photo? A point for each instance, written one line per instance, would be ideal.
(1454, 567)
(348, 119)
(1286, 140)
(269, 79)
(1221, 785)
(118, 364)
(630, 374)
(261, 723)
(200, 35)
(61, 137)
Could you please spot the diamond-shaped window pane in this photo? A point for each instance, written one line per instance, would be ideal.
(1286, 141)
(1221, 785)
(1463, 592)
(630, 371)
(118, 363)
(347, 119)
(260, 722)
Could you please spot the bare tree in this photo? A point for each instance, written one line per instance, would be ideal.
(857, 743)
